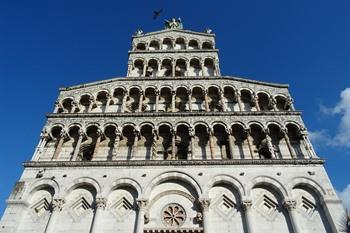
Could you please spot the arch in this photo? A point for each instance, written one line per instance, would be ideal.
(269, 123)
(109, 124)
(146, 123)
(165, 123)
(225, 179)
(41, 184)
(83, 181)
(213, 124)
(239, 123)
(124, 182)
(205, 124)
(182, 123)
(302, 181)
(251, 123)
(270, 182)
(163, 177)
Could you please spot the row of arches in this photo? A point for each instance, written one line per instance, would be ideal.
(170, 43)
(260, 204)
(169, 67)
(182, 142)
(183, 99)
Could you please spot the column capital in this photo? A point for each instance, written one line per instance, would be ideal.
(204, 203)
(290, 205)
(101, 203)
(157, 92)
(57, 204)
(63, 134)
(173, 92)
(142, 204)
(246, 204)
(81, 133)
(99, 132)
(191, 131)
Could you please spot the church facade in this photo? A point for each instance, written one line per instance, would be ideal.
(174, 147)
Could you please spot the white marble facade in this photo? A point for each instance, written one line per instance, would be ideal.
(174, 147)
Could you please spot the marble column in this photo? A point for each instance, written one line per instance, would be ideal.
(222, 100)
(100, 206)
(157, 100)
(97, 145)
(191, 132)
(206, 101)
(211, 143)
(307, 143)
(124, 101)
(135, 145)
(77, 146)
(173, 67)
(255, 101)
(39, 148)
(75, 106)
(231, 143)
(238, 100)
(56, 206)
(249, 218)
(116, 144)
(144, 68)
(250, 143)
(140, 101)
(91, 105)
(273, 104)
(205, 203)
(289, 145)
(108, 102)
(142, 206)
(57, 106)
(173, 145)
(290, 206)
(289, 104)
(189, 94)
(154, 144)
(173, 99)
(62, 137)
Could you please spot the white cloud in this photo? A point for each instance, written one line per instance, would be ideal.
(345, 196)
(342, 136)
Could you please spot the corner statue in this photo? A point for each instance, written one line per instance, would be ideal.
(173, 24)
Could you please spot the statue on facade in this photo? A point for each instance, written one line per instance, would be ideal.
(173, 24)
(139, 32)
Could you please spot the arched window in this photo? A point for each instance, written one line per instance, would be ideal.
(154, 45)
(141, 46)
(167, 44)
(207, 45)
(193, 44)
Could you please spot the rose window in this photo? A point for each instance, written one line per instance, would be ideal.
(174, 215)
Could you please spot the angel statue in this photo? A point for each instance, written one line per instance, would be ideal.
(173, 24)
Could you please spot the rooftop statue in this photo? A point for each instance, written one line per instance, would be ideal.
(173, 24)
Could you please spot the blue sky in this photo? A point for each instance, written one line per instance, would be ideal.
(45, 45)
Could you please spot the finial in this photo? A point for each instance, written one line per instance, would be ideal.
(173, 24)
(139, 32)
(208, 30)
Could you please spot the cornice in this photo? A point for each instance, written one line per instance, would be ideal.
(174, 163)
(171, 114)
(122, 79)
(173, 30)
